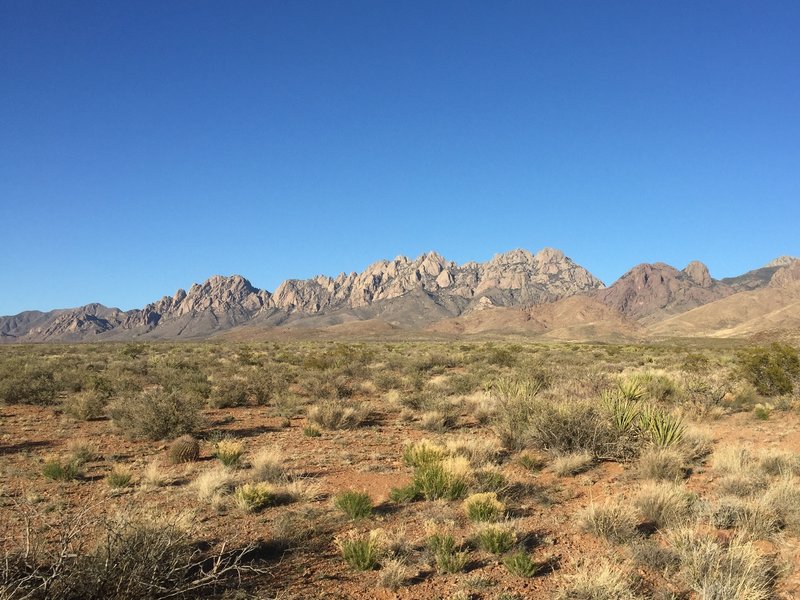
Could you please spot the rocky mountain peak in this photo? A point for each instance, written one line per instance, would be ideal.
(782, 261)
(651, 290)
(786, 276)
(698, 272)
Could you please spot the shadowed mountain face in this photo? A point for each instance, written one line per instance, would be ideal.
(649, 292)
(402, 292)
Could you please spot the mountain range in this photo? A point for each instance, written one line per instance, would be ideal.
(544, 295)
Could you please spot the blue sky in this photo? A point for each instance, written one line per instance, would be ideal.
(148, 145)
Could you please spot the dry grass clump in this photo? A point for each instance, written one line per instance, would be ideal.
(337, 414)
(776, 462)
(572, 463)
(394, 574)
(438, 420)
(696, 443)
(304, 490)
(661, 464)
(783, 496)
(596, 581)
(716, 570)
(733, 460)
(613, 521)
(664, 504)
(119, 477)
(213, 483)
(268, 464)
(153, 475)
(479, 450)
(742, 484)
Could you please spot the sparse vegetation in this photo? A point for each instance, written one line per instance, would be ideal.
(356, 505)
(640, 426)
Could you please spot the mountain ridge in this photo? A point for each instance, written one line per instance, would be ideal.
(545, 294)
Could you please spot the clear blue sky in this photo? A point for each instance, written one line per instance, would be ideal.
(148, 145)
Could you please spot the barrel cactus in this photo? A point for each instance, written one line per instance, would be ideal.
(184, 449)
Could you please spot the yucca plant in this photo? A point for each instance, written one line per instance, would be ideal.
(622, 410)
(664, 429)
(631, 390)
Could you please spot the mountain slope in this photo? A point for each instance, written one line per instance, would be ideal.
(773, 307)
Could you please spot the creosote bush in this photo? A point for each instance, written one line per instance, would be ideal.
(155, 414)
(771, 370)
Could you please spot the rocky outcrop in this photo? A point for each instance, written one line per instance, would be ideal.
(652, 291)
(515, 277)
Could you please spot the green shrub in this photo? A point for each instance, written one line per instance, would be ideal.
(119, 477)
(156, 414)
(356, 505)
(361, 552)
(423, 452)
(253, 497)
(57, 470)
(496, 538)
(229, 451)
(435, 482)
(520, 564)
(26, 384)
(443, 548)
(771, 370)
(483, 507)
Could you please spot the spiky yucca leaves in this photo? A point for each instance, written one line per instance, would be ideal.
(664, 429)
(184, 449)
(630, 390)
(622, 410)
